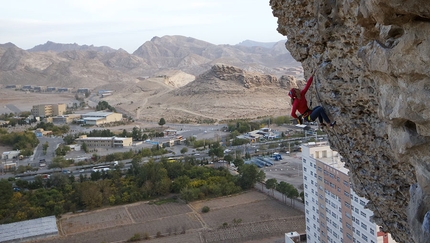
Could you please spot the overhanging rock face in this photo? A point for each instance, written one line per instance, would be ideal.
(373, 78)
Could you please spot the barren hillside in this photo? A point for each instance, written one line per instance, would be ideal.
(223, 92)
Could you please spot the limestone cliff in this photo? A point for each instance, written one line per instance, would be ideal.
(373, 78)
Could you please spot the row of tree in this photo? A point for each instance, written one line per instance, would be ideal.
(286, 189)
(62, 193)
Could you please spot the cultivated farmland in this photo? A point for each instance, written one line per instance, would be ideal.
(238, 218)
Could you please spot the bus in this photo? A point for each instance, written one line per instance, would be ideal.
(101, 169)
(170, 159)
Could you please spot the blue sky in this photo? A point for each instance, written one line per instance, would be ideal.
(128, 24)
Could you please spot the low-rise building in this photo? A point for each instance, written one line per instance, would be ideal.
(100, 117)
(10, 154)
(39, 132)
(169, 143)
(65, 119)
(105, 142)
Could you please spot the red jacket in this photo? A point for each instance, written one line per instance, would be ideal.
(301, 104)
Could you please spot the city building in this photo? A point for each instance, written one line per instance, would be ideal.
(100, 117)
(40, 132)
(65, 119)
(334, 212)
(47, 110)
(8, 155)
(105, 142)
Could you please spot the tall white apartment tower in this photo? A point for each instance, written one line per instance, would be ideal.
(334, 213)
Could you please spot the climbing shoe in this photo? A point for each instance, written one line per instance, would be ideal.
(332, 124)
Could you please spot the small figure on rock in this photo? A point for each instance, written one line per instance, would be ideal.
(300, 104)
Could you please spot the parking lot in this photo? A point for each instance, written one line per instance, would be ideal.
(289, 169)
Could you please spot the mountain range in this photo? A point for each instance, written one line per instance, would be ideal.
(164, 67)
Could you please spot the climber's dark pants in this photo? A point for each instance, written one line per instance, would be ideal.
(318, 112)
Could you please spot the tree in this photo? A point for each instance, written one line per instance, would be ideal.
(282, 187)
(291, 192)
(162, 122)
(59, 162)
(84, 147)
(249, 175)
(184, 150)
(45, 147)
(228, 158)
(6, 192)
(238, 162)
(271, 185)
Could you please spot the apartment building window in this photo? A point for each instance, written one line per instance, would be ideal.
(358, 232)
(364, 237)
(363, 214)
(364, 226)
(305, 169)
(348, 225)
(349, 236)
(304, 161)
(346, 193)
(346, 183)
(306, 178)
(320, 178)
(356, 199)
(319, 169)
(362, 203)
(306, 186)
(335, 235)
(372, 231)
(356, 210)
(347, 205)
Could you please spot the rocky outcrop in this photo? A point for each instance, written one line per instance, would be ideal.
(59, 47)
(373, 78)
(236, 75)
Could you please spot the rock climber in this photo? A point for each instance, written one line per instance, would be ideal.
(300, 104)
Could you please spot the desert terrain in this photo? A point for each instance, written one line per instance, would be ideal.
(246, 217)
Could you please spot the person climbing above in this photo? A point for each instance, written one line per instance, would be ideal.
(300, 104)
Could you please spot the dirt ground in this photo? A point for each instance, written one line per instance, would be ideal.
(244, 217)
(24, 101)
